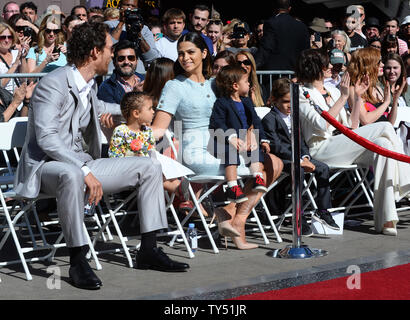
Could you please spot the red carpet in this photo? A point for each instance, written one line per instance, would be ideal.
(386, 284)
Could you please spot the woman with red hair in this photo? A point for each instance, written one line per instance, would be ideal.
(376, 99)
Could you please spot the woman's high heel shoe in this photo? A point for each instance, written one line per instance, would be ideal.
(225, 228)
(243, 245)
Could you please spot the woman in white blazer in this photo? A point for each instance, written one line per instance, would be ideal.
(392, 178)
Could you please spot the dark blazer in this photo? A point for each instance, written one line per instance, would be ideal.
(283, 39)
(226, 117)
(111, 91)
(277, 133)
(281, 145)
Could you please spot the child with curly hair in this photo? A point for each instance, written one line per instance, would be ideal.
(136, 138)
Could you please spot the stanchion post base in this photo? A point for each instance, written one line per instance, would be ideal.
(303, 252)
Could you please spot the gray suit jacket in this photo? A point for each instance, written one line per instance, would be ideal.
(53, 126)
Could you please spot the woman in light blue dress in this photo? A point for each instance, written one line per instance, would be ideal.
(188, 100)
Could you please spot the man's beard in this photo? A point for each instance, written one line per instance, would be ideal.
(125, 73)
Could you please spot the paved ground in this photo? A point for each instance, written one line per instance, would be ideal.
(219, 276)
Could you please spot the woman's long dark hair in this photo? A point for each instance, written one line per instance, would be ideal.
(200, 43)
(403, 74)
(310, 65)
(159, 72)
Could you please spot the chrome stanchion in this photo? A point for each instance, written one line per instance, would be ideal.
(296, 250)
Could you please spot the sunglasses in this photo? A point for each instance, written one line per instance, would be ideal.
(215, 21)
(375, 46)
(122, 58)
(246, 62)
(20, 28)
(2, 38)
(48, 31)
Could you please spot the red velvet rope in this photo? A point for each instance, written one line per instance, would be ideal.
(362, 141)
(359, 139)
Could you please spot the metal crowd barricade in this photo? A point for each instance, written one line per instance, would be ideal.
(271, 73)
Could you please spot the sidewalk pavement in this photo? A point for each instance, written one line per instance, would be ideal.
(225, 275)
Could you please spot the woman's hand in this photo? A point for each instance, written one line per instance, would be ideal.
(62, 48)
(25, 46)
(397, 90)
(344, 85)
(51, 57)
(30, 89)
(20, 93)
(361, 86)
(387, 93)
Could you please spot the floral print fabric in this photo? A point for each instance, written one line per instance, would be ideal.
(127, 143)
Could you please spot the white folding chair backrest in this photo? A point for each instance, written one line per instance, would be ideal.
(403, 114)
(13, 134)
(262, 111)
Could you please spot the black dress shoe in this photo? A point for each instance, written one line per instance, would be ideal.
(156, 259)
(83, 277)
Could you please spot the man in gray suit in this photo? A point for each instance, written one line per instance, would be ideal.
(63, 112)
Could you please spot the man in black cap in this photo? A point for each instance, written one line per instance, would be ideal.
(372, 28)
(240, 37)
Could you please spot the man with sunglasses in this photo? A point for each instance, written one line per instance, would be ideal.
(147, 52)
(124, 78)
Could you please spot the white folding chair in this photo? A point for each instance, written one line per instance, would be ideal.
(352, 177)
(119, 209)
(12, 135)
(210, 184)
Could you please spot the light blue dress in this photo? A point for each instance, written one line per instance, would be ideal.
(191, 105)
(40, 57)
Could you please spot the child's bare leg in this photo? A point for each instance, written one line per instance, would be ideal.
(257, 169)
(231, 175)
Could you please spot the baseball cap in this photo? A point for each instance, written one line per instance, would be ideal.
(406, 21)
(337, 56)
(372, 22)
(240, 30)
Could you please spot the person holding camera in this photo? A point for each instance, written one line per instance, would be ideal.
(131, 27)
(50, 52)
(11, 60)
(23, 26)
(240, 37)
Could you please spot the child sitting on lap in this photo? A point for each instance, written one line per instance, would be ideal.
(235, 112)
(135, 138)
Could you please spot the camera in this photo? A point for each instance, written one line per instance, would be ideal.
(134, 23)
(56, 50)
(238, 33)
(27, 31)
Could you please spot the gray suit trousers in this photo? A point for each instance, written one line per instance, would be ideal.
(66, 182)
